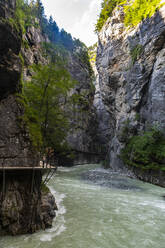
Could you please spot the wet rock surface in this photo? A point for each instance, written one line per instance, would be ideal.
(48, 208)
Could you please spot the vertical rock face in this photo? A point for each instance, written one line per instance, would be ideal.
(131, 70)
(82, 137)
(7, 8)
(22, 208)
(15, 147)
(103, 117)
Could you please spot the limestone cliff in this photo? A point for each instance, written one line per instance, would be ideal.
(82, 137)
(22, 208)
(14, 144)
(130, 64)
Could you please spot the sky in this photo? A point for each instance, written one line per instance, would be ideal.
(77, 17)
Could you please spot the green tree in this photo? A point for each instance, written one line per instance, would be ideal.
(139, 10)
(66, 39)
(25, 15)
(135, 11)
(107, 7)
(45, 116)
(53, 30)
(146, 150)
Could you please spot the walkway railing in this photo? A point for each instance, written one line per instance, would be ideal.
(49, 169)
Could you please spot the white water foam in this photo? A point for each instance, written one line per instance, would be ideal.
(59, 222)
(54, 232)
(157, 204)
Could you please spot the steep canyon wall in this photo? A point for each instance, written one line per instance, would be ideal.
(22, 209)
(131, 68)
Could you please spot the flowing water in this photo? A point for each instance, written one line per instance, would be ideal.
(100, 209)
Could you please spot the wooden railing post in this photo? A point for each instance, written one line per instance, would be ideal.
(4, 181)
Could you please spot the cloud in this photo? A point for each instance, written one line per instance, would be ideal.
(84, 27)
(77, 17)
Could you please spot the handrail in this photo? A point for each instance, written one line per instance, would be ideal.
(27, 168)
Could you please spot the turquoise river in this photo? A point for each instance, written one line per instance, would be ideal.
(100, 209)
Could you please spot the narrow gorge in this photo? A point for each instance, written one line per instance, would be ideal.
(97, 113)
(22, 46)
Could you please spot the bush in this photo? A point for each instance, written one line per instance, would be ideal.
(146, 151)
(136, 52)
(135, 11)
(107, 8)
(44, 188)
(24, 16)
(139, 10)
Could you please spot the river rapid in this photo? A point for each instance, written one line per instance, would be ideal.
(100, 209)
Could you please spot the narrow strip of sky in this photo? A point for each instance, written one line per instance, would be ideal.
(77, 17)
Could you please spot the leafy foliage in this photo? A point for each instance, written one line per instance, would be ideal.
(136, 52)
(146, 151)
(44, 188)
(81, 52)
(51, 29)
(80, 100)
(48, 92)
(52, 52)
(92, 51)
(62, 41)
(25, 15)
(31, 13)
(107, 8)
(139, 10)
(43, 100)
(135, 11)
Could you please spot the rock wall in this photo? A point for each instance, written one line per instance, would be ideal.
(130, 64)
(22, 209)
(15, 147)
(103, 118)
(82, 137)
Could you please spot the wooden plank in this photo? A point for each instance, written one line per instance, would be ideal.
(27, 168)
(4, 184)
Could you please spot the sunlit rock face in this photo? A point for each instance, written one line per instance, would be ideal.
(131, 68)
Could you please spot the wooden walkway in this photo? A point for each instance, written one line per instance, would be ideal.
(49, 170)
(28, 168)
